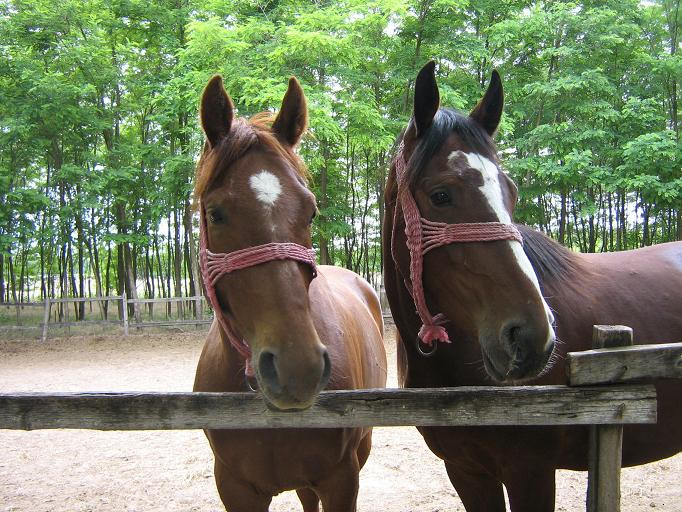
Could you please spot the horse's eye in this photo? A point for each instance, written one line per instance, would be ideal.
(440, 198)
(311, 218)
(215, 216)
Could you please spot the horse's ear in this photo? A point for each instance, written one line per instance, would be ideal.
(488, 112)
(292, 119)
(217, 111)
(426, 98)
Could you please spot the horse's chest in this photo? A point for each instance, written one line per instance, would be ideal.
(277, 460)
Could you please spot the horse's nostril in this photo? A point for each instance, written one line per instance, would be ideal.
(327, 370)
(268, 371)
(512, 338)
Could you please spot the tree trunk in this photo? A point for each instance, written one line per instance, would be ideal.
(81, 262)
(159, 265)
(563, 217)
(12, 281)
(322, 240)
(177, 260)
(2, 277)
(125, 263)
(168, 266)
(195, 281)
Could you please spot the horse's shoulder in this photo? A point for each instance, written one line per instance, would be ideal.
(340, 277)
(347, 290)
(655, 258)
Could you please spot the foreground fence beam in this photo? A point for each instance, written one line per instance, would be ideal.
(525, 405)
(604, 366)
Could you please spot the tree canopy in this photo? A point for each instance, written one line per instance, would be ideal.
(99, 134)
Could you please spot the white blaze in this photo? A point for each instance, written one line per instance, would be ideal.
(266, 186)
(492, 191)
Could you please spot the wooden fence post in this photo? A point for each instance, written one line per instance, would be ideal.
(199, 305)
(606, 441)
(67, 318)
(46, 319)
(124, 302)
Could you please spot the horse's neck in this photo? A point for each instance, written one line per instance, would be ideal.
(221, 367)
(638, 288)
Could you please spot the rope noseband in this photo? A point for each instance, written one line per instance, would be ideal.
(215, 265)
(423, 236)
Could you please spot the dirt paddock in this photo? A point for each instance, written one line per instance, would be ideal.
(72, 470)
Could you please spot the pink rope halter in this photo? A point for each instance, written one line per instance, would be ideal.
(423, 236)
(215, 265)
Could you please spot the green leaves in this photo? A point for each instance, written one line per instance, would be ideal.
(98, 107)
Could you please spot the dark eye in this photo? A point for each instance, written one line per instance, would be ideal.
(215, 216)
(311, 218)
(440, 198)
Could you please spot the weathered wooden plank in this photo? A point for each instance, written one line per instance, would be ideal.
(605, 459)
(174, 323)
(86, 323)
(524, 405)
(46, 319)
(606, 441)
(160, 300)
(625, 364)
(85, 299)
(124, 312)
(607, 336)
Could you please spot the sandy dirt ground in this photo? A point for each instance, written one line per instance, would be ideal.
(78, 470)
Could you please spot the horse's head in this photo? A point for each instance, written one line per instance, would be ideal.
(486, 288)
(253, 198)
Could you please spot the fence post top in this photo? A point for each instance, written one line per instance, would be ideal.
(607, 336)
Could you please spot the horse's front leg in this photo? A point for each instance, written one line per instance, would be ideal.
(531, 488)
(339, 492)
(479, 492)
(238, 496)
(309, 500)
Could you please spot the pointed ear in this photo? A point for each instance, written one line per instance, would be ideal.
(292, 119)
(488, 112)
(426, 98)
(217, 111)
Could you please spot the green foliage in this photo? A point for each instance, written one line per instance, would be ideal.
(99, 132)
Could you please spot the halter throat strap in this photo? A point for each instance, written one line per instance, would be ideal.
(215, 265)
(423, 235)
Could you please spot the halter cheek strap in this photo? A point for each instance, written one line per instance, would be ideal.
(215, 265)
(423, 235)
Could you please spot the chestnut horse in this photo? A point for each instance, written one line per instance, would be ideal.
(298, 328)
(497, 321)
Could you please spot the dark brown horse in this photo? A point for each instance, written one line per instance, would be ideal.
(252, 192)
(496, 315)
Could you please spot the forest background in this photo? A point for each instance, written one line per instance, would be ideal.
(99, 134)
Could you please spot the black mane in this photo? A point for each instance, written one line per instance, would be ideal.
(550, 259)
(446, 122)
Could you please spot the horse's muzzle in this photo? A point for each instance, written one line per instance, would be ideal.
(289, 381)
(521, 352)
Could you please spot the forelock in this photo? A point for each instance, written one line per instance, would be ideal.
(244, 135)
(445, 123)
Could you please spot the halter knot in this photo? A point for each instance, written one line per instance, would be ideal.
(430, 333)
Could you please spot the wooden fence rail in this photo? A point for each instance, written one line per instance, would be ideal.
(607, 365)
(605, 408)
(483, 405)
(124, 320)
